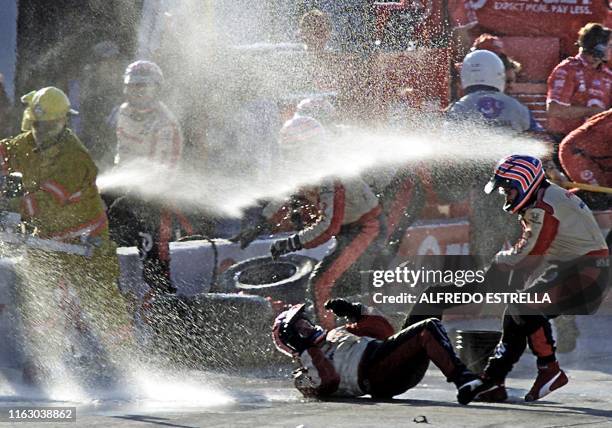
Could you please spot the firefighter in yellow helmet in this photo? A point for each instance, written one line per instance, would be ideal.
(60, 290)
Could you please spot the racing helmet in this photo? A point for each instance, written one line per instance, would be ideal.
(521, 172)
(301, 131)
(286, 336)
(143, 72)
(483, 67)
(319, 108)
(46, 104)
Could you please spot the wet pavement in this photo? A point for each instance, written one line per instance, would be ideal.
(265, 398)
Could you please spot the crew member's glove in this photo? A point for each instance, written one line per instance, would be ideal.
(344, 308)
(248, 235)
(285, 246)
(303, 382)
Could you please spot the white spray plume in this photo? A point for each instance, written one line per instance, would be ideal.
(227, 191)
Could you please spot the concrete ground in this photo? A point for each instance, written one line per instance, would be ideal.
(265, 398)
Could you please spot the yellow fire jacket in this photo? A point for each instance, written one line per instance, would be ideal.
(61, 198)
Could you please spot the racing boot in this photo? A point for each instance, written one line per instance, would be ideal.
(468, 385)
(482, 389)
(550, 377)
(496, 393)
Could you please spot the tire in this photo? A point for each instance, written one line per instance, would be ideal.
(474, 347)
(285, 279)
(212, 330)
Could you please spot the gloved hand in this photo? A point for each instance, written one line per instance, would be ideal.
(285, 246)
(304, 383)
(247, 235)
(344, 308)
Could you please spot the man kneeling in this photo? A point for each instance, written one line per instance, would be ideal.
(364, 356)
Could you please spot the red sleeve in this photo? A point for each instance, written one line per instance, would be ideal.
(375, 326)
(561, 85)
(332, 214)
(535, 241)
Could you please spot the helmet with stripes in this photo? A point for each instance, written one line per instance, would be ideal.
(521, 172)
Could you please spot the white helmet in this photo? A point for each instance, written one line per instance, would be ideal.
(319, 108)
(143, 72)
(301, 131)
(483, 67)
(299, 138)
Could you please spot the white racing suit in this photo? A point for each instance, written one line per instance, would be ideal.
(153, 134)
(563, 244)
(561, 254)
(349, 211)
(367, 358)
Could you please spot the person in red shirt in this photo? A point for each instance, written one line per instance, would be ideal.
(580, 86)
(586, 153)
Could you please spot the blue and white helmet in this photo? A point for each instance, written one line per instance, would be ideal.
(521, 172)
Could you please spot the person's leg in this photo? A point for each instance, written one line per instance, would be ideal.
(105, 308)
(41, 301)
(340, 272)
(154, 250)
(518, 330)
(550, 376)
(398, 364)
(508, 351)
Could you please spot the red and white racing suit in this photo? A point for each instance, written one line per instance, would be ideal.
(575, 82)
(586, 153)
(350, 212)
(367, 358)
(562, 240)
(153, 134)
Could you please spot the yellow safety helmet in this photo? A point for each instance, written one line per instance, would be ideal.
(26, 119)
(48, 103)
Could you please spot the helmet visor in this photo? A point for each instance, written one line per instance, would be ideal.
(493, 184)
(304, 328)
(497, 183)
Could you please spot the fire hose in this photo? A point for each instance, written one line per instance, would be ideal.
(9, 222)
(584, 186)
(46, 244)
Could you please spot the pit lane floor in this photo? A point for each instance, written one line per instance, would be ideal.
(265, 398)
